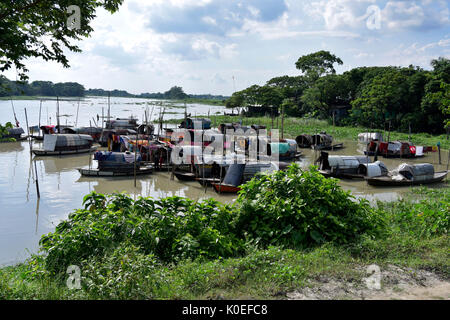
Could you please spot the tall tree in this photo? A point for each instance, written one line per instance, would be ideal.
(43, 28)
(317, 64)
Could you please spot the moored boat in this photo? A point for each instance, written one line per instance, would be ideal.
(117, 164)
(409, 175)
(65, 144)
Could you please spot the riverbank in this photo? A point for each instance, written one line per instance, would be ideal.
(293, 127)
(211, 251)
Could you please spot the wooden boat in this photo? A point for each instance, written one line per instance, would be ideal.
(106, 173)
(114, 164)
(207, 181)
(185, 176)
(349, 167)
(65, 144)
(330, 174)
(328, 147)
(40, 152)
(225, 188)
(388, 181)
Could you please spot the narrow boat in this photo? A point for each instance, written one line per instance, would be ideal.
(225, 188)
(329, 147)
(207, 181)
(65, 144)
(350, 167)
(394, 149)
(185, 176)
(232, 181)
(103, 173)
(409, 175)
(112, 164)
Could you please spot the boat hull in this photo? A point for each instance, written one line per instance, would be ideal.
(225, 188)
(40, 152)
(102, 173)
(185, 176)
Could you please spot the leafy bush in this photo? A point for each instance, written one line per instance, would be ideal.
(298, 208)
(425, 219)
(172, 229)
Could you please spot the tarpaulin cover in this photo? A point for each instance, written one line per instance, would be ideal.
(120, 157)
(413, 172)
(347, 162)
(234, 174)
(15, 131)
(279, 148)
(370, 136)
(55, 141)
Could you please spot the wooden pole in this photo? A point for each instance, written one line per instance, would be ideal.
(28, 131)
(39, 125)
(31, 149)
(90, 157)
(78, 109)
(37, 181)
(282, 122)
(439, 151)
(57, 114)
(135, 159)
(109, 110)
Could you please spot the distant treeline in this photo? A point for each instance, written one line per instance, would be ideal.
(175, 93)
(40, 88)
(374, 97)
(73, 89)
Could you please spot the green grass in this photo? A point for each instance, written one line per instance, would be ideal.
(293, 127)
(415, 236)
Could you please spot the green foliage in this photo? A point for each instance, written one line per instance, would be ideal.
(172, 229)
(25, 24)
(316, 64)
(40, 88)
(299, 208)
(426, 219)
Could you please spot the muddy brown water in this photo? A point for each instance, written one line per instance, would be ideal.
(24, 219)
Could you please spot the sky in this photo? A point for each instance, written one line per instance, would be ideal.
(219, 46)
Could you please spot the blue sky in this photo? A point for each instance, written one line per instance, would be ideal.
(149, 46)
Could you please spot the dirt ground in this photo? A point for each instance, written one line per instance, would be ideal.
(395, 284)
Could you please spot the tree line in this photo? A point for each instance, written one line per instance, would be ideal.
(40, 88)
(74, 89)
(375, 97)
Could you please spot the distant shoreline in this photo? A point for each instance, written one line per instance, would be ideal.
(213, 102)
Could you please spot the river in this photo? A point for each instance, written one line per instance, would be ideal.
(24, 218)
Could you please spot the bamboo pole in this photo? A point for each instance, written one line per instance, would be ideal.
(39, 125)
(31, 149)
(28, 132)
(78, 109)
(57, 115)
(135, 159)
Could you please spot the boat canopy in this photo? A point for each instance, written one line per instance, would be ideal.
(322, 139)
(347, 162)
(417, 172)
(375, 169)
(119, 157)
(14, 132)
(370, 136)
(304, 140)
(279, 148)
(53, 142)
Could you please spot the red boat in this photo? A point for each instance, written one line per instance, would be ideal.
(225, 188)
